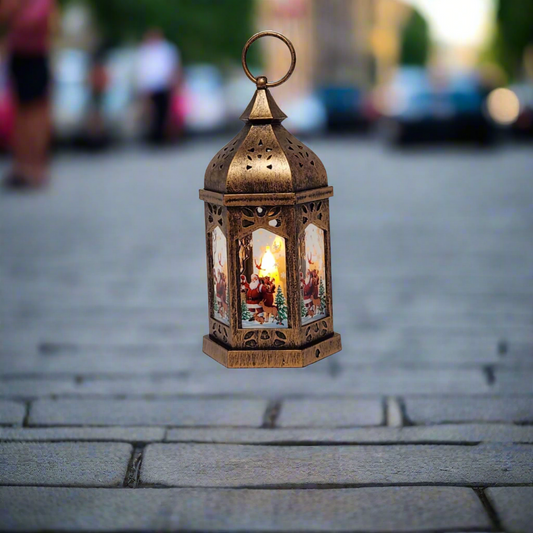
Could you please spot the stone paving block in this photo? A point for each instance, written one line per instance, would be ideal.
(117, 434)
(328, 412)
(12, 413)
(513, 507)
(314, 380)
(445, 433)
(212, 465)
(64, 463)
(438, 410)
(380, 509)
(172, 412)
(373, 381)
(102, 363)
(514, 381)
(30, 388)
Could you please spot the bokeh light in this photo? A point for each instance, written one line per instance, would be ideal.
(503, 106)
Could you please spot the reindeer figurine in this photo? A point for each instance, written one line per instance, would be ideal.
(269, 310)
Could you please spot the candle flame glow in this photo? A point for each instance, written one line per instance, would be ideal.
(268, 263)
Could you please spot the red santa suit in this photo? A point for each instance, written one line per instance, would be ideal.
(310, 289)
(254, 294)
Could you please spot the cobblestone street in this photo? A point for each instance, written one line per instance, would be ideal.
(111, 418)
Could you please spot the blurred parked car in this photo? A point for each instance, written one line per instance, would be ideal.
(419, 109)
(522, 127)
(345, 108)
(73, 102)
(71, 95)
(203, 99)
(306, 115)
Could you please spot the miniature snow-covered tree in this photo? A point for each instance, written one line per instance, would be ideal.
(322, 296)
(281, 305)
(246, 315)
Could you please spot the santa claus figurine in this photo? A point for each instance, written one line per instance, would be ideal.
(255, 293)
(310, 289)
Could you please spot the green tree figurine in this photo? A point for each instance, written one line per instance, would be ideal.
(322, 296)
(246, 315)
(281, 305)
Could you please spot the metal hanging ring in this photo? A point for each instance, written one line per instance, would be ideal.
(261, 80)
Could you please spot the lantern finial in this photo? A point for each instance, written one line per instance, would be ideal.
(263, 108)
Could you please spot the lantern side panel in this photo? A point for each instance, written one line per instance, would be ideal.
(220, 310)
(263, 278)
(313, 284)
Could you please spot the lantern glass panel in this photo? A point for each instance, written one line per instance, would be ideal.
(263, 277)
(313, 303)
(220, 276)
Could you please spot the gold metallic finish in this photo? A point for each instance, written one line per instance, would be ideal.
(297, 358)
(265, 178)
(261, 81)
(290, 198)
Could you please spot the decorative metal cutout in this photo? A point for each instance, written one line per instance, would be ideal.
(261, 215)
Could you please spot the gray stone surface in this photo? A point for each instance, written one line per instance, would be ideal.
(103, 309)
(513, 506)
(459, 433)
(118, 434)
(212, 465)
(31, 388)
(514, 381)
(327, 412)
(12, 413)
(387, 509)
(172, 412)
(314, 380)
(64, 463)
(460, 409)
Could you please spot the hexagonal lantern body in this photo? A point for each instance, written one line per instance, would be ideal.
(268, 247)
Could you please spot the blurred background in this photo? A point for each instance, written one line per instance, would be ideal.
(399, 71)
(421, 110)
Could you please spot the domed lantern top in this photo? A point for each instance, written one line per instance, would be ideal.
(264, 157)
(266, 200)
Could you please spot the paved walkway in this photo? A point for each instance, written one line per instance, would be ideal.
(112, 419)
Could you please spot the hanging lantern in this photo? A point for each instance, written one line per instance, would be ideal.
(268, 245)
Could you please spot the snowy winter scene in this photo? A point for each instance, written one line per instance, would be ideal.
(263, 280)
(313, 304)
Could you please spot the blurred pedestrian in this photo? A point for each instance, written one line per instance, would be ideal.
(158, 67)
(29, 34)
(96, 135)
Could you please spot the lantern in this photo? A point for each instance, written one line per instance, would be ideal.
(266, 200)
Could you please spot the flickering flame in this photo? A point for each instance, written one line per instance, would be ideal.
(268, 263)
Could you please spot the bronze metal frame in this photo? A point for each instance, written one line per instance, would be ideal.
(265, 166)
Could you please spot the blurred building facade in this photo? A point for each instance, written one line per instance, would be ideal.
(339, 42)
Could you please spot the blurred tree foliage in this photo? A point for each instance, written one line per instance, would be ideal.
(212, 31)
(514, 19)
(415, 40)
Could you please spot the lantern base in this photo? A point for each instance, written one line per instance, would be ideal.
(287, 358)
